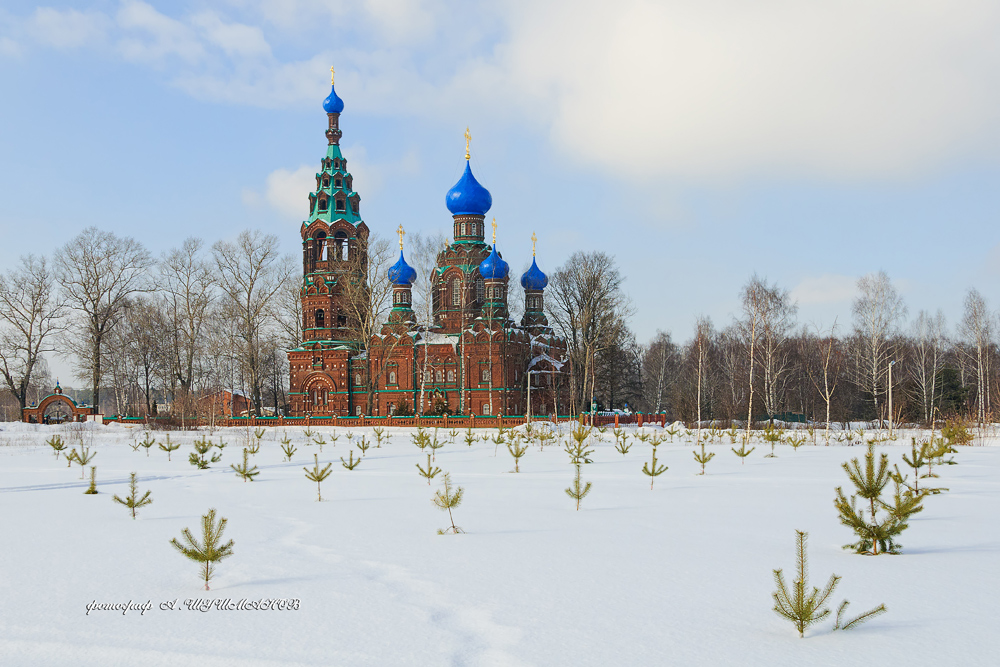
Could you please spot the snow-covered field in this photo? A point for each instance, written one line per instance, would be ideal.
(680, 575)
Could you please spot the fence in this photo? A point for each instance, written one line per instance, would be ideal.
(445, 421)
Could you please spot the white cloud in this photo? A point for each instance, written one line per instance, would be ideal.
(288, 191)
(825, 289)
(9, 48)
(235, 39)
(161, 36)
(68, 29)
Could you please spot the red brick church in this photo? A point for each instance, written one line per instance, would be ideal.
(473, 359)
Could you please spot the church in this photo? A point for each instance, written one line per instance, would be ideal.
(471, 359)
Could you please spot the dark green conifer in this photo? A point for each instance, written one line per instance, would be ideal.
(799, 605)
(199, 456)
(210, 551)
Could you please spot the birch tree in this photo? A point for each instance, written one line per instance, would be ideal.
(929, 346)
(977, 330)
(31, 313)
(99, 271)
(877, 312)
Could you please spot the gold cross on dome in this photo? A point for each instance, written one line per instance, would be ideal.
(534, 239)
(331, 75)
(494, 231)
(401, 235)
(468, 140)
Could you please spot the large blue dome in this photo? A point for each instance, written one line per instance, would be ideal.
(533, 278)
(468, 197)
(401, 273)
(493, 267)
(333, 103)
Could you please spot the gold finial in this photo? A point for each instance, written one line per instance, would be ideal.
(331, 75)
(468, 140)
(494, 231)
(534, 239)
(401, 235)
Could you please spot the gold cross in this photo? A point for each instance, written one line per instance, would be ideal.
(494, 231)
(331, 75)
(533, 240)
(468, 140)
(401, 235)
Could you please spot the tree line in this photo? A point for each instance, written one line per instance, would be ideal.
(198, 320)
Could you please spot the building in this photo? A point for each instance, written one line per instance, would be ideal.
(472, 359)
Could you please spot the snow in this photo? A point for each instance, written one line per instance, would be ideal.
(678, 575)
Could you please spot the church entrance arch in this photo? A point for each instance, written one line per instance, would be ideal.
(55, 408)
(319, 391)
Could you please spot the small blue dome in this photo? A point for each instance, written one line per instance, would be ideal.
(493, 267)
(401, 273)
(468, 197)
(333, 103)
(533, 278)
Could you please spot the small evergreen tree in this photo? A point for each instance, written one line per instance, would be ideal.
(470, 437)
(199, 457)
(844, 624)
(796, 442)
(246, 471)
(421, 439)
(57, 444)
(429, 472)
(379, 433)
(288, 448)
(147, 442)
(220, 445)
(435, 445)
(578, 491)
(254, 447)
(703, 457)
(363, 445)
(132, 500)
(318, 474)
(577, 448)
(623, 446)
(517, 450)
(350, 464)
(743, 452)
(799, 606)
(210, 551)
(884, 521)
(83, 457)
(447, 499)
(773, 436)
(652, 470)
(92, 489)
(318, 440)
(169, 447)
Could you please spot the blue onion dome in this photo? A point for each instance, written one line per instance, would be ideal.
(468, 197)
(401, 273)
(493, 267)
(533, 278)
(333, 103)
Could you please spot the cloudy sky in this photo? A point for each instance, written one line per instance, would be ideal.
(698, 142)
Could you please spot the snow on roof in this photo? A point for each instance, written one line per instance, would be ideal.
(556, 364)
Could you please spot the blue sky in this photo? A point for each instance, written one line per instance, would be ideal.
(697, 142)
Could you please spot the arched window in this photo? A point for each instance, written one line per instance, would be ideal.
(336, 163)
(463, 229)
(456, 292)
(451, 376)
(326, 181)
(439, 376)
(357, 410)
(322, 204)
(320, 246)
(392, 377)
(340, 204)
(357, 379)
(320, 319)
(336, 182)
(485, 374)
(340, 242)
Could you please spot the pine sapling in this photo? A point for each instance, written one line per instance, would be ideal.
(578, 490)
(435, 445)
(379, 433)
(448, 499)
(703, 457)
(363, 445)
(169, 447)
(210, 551)
(470, 437)
(254, 447)
(420, 438)
(92, 489)
(672, 431)
(428, 472)
(57, 444)
(134, 445)
(517, 450)
(773, 436)
(132, 500)
(652, 470)
(246, 471)
(307, 432)
(83, 457)
(844, 624)
(318, 474)
(801, 607)
(288, 448)
(351, 463)
(796, 442)
(219, 445)
(453, 433)
(884, 522)
(148, 442)
(318, 440)
(577, 449)
(199, 456)
(623, 446)
(743, 452)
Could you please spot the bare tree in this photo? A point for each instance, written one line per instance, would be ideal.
(977, 329)
(251, 275)
(423, 258)
(189, 285)
(776, 321)
(929, 341)
(99, 271)
(588, 308)
(659, 361)
(289, 305)
(702, 339)
(755, 304)
(877, 311)
(823, 366)
(30, 314)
